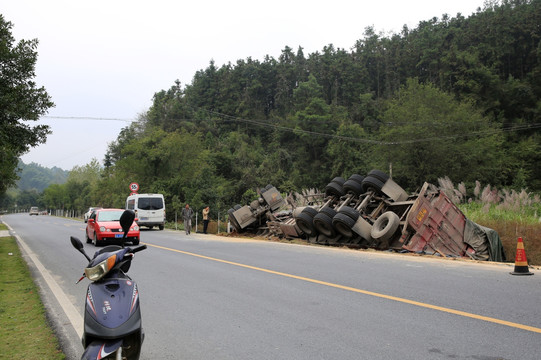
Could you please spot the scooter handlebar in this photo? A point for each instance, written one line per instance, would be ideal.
(139, 248)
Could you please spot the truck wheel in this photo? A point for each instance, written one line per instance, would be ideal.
(305, 222)
(371, 183)
(380, 175)
(353, 187)
(160, 227)
(343, 224)
(356, 177)
(334, 189)
(323, 221)
(338, 180)
(328, 211)
(385, 226)
(310, 211)
(348, 211)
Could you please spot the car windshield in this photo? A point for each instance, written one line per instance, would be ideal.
(109, 215)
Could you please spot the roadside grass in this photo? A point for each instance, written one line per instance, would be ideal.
(511, 213)
(510, 225)
(24, 329)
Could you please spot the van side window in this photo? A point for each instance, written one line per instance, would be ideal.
(131, 204)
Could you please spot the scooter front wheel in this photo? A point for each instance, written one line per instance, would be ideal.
(102, 350)
(127, 348)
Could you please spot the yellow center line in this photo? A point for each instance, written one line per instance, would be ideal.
(365, 292)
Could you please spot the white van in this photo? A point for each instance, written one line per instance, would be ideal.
(149, 209)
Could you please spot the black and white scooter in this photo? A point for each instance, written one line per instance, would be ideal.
(112, 321)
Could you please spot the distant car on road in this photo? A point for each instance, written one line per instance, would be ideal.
(89, 212)
(104, 226)
(34, 210)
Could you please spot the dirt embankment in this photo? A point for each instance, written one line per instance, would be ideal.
(510, 232)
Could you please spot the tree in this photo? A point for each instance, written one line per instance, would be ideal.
(20, 100)
(427, 135)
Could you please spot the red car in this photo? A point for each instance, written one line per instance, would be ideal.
(104, 226)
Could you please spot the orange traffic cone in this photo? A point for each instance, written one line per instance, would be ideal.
(521, 263)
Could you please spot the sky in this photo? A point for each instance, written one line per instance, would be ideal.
(103, 61)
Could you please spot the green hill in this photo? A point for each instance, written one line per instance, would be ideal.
(36, 177)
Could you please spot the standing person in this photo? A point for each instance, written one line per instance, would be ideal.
(187, 214)
(205, 219)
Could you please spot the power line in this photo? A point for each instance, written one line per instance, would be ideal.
(87, 118)
(378, 142)
(230, 118)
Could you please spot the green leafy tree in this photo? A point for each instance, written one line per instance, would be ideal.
(54, 197)
(88, 176)
(351, 151)
(427, 135)
(314, 124)
(20, 101)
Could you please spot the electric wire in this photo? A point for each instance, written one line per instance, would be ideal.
(261, 123)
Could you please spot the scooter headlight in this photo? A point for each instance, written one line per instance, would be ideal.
(97, 272)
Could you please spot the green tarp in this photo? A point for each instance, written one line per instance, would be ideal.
(485, 241)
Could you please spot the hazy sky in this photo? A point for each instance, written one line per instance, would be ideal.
(101, 60)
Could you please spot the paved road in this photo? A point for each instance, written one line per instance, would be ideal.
(206, 297)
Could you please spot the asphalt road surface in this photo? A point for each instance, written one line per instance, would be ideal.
(209, 297)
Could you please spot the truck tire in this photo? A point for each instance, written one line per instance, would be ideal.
(356, 177)
(323, 222)
(385, 226)
(380, 175)
(328, 210)
(334, 189)
(310, 211)
(305, 222)
(353, 187)
(350, 212)
(339, 180)
(371, 183)
(343, 224)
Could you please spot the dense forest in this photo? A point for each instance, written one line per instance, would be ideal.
(455, 96)
(33, 179)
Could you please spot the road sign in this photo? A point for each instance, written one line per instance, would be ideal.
(134, 187)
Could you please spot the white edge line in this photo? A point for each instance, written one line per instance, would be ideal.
(71, 312)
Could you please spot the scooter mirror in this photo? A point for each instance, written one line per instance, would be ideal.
(76, 243)
(126, 219)
(79, 246)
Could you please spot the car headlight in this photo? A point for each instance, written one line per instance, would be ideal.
(135, 228)
(103, 228)
(97, 272)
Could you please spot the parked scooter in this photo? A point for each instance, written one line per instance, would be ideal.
(112, 321)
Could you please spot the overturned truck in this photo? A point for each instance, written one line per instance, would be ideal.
(372, 211)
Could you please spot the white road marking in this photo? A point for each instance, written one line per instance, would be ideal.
(71, 312)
